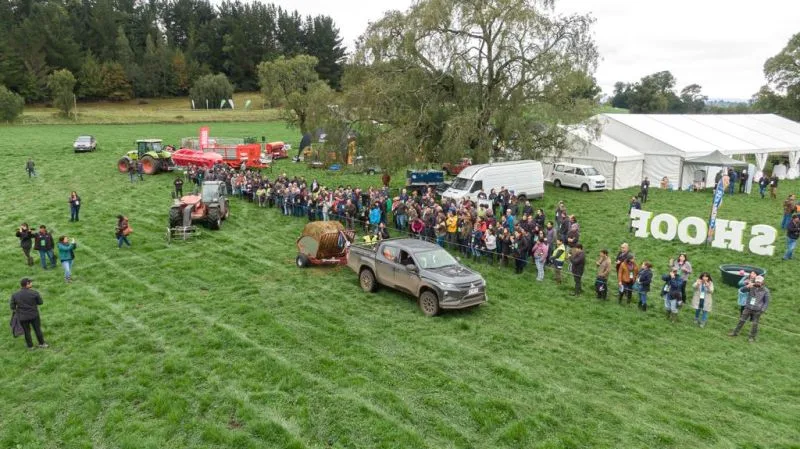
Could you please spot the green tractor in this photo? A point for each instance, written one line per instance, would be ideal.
(154, 157)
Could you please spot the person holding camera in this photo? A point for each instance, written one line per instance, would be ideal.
(702, 298)
(26, 236)
(756, 304)
(66, 253)
(74, 206)
(122, 231)
(672, 293)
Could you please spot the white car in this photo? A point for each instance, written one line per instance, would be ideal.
(584, 177)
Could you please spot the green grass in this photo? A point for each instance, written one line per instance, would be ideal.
(158, 110)
(220, 342)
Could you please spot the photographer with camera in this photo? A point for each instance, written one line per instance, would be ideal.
(756, 303)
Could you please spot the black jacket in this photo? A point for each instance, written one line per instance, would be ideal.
(793, 230)
(578, 260)
(25, 238)
(26, 303)
(645, 279)
(43, 241)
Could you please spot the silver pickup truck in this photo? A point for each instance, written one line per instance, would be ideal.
(420, 268)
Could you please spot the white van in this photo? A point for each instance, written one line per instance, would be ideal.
(584, 177)
(524, 178)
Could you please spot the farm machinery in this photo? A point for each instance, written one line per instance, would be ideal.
(210, 206)
(323, 243)
(231, 151)
(153, 156)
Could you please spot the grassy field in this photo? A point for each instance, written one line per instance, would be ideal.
(159, 110)
(220, 342)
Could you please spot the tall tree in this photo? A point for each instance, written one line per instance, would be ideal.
(782, 93)
(456, 76)
(62, 89)
(90, 79)
(323, 42)
(294, 84)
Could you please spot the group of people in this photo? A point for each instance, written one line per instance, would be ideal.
(42, 242)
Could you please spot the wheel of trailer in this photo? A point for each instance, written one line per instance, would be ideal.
(149, 165)
(302, 261)
(557, 183)
(123, 165)
(429, 303)
(367, 280)
(175, 218)
(214, 219)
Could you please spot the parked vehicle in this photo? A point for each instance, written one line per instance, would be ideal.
(455, 169)
(524, 178)
(584, 177)
(422, 269)
(209, 206)
(368, 165)
(155, 158)
(323, 243)
(234, 151)
(420, 180)
(84, 144)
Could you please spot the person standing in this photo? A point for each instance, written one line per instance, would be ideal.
(25, 304)
(132, 170)
(74, 206)
(763, 182)
(773, 187)
(558, 258)
(66, 253)
(758, 297)
(743, 180)
(26, 236)
(44, 244)
(644, 189)
(30, 168)
(603, 269)
(672, 293)
(702, 298)
(792, 234)
(539, 257)
(577, 261)
(742, 296)
(122, 231)
(627, 274)
(635, 204)
(645, 279)
(684, 270)
(178, 186)
(734, 176)
(140, 170)
(789, 208)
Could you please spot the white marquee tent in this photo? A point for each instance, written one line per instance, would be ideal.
(667, 141)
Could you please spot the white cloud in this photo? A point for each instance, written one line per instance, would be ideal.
(721, 45)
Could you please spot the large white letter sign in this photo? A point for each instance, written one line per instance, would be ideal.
(672, 227)
(639, 220)
(763, 239)
(729, 235)
(700, 230)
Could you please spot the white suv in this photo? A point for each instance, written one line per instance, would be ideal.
(584, 177)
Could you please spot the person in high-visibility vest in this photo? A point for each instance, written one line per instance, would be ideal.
(559, 256)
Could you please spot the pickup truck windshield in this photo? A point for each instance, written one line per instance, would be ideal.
(461, 184)
(437, 258)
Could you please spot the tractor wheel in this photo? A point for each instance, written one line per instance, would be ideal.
(214, 218)
(175, 218)
(149, 165)
(123, 164)
(302, 261)
(429, 303)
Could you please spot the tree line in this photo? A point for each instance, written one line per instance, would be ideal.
(656, 93)
(120, 49)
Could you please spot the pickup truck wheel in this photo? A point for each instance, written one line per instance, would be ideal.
(367, 280)
(429, 303)
(302, 261)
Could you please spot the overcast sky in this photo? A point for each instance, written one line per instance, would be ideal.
(721, 45)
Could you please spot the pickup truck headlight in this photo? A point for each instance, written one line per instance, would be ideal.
(448, 286)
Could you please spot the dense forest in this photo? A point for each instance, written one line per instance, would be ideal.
(119, 49)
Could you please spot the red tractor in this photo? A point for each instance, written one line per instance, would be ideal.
(210, 206)
(455, 169)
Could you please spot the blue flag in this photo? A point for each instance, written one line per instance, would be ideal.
(719, 193)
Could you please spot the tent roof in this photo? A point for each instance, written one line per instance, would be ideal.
(698, 134)
(616, 149)
(715, 158)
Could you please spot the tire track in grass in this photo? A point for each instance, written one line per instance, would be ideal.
(330, 386)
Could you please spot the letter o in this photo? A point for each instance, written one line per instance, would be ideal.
(701, 230)
(672, 227)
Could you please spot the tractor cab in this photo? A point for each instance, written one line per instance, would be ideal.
(213, 191)
(145, 146)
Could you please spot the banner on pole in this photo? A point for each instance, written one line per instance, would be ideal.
(719, 192)
(230, 102)
(204, 137)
